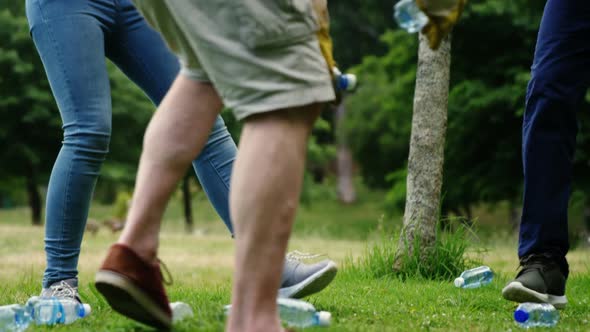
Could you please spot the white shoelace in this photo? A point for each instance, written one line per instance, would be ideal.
(63, 289)
(301, 256)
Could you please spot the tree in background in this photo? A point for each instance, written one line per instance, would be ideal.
(344, 160)
(492, 54)
(29, 128)
(378, 122)
(30, 125)
(425, 162)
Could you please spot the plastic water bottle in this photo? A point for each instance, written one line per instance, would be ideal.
(344, 82)
(480, 276)
(14, 318)
(52, 310)
(297, 313)
(180, 311)
(536, 314)
(409, 17)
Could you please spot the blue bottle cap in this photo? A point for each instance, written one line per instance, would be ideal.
(343, 82)
(521, 316)
(84, 310)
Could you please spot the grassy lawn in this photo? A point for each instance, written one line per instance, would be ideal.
(201, 264)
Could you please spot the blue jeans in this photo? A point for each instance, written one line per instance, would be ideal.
(560, 79)
(73, 38)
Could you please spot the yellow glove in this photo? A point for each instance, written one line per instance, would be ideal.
(321, 9)
(443, 15)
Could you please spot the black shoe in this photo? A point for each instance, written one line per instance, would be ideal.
(540, 280)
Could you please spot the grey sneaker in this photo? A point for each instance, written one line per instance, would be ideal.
(540, 280)
(300, 279)
(63, 289)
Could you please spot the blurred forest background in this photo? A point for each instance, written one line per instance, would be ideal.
(361, 148)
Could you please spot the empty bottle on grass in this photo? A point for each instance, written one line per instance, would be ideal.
(297, 313)
(536, 315)
(14, 318)
(480, 276)
(52, 310)
(409, 17)
(180, 311)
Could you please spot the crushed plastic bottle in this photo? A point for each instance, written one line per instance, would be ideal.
(52, 310)
(409, 17)
(180, 311)
(477, 277)
(536, 315)
(14, 318)
(297, 313)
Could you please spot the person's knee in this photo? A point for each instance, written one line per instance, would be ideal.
(92, 142)
(552, 99)
(159, 145)
(554, 84)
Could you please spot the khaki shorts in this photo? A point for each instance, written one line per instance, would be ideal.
(261, 55)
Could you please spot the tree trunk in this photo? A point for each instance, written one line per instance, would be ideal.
(425, 162)
(34, 197)
(346, 191)
(186, 200)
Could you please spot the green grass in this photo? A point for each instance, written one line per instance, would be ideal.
(201, 264)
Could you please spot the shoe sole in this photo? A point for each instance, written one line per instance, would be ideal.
(517, 292)
(130, 301)
(312, 284)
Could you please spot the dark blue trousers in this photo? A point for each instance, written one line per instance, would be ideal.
(560, 79)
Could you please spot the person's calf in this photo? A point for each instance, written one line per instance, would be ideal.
(175, 136)
(263, 205)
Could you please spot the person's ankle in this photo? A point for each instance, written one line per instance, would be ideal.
(260, 322)
(148, 253)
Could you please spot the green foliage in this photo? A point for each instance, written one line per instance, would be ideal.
(486, 103)
(356, 27)
(379, 114)
(29, 127)
(319, 155)
(395, 200)
(121, 205)
(313, 192)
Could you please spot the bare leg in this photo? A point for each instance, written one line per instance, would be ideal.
(265, 187)
(175, 135)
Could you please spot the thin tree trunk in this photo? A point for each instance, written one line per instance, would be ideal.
(346, 191)
(34, 197)
(186, 200)
(425, 162)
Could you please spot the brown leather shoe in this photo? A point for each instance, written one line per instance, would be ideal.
(134, 287)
